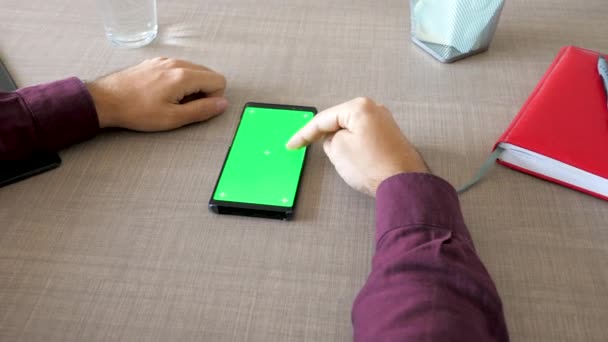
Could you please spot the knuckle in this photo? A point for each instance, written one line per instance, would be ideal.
(365, 102)
(383, 110)
(176, 75)
(171, 62)
(364, 108)
(155, 62)
(223, 81)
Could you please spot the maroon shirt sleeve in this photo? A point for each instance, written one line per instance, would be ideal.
(427, 282)
(46, 117)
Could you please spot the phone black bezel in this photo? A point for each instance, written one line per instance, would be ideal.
(36, 163)
(6, 76)
(259, 210)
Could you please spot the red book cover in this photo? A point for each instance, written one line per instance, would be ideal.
(566, 119)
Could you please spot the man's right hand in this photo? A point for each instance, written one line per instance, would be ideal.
(363, 142)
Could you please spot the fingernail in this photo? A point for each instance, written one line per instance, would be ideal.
(221, 104)
(291, 145)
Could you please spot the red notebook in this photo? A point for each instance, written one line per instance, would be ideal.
(561, 133)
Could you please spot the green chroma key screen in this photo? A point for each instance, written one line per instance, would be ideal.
(259, 169)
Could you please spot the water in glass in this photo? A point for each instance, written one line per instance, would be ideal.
(129, 23)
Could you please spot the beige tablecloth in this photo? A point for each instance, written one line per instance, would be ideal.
(118, 244)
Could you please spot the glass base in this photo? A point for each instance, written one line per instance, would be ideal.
(132, 41)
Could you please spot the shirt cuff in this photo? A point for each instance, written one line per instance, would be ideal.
(417, 199)
(63, 112)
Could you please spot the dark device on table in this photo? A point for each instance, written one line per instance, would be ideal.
(15, 170)
(260, 177)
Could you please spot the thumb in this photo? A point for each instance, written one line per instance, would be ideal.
(202, 109)
(327, 144)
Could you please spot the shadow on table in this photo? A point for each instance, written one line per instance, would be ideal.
(454, 167)
(181, 34)
(311, 184)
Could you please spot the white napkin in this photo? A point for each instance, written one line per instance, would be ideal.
(456, 23)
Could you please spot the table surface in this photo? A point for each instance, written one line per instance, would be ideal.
(118, 244)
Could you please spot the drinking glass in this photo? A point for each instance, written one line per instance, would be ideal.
(129, 23)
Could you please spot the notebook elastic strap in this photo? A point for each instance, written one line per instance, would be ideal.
(483, 170)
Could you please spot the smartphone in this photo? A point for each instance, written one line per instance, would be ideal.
(15, 170)
(260, 176)
(40, 161)
(6, 81)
